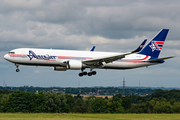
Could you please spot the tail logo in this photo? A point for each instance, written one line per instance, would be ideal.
(156, 45)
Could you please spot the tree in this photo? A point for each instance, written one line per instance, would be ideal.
(98, 106)
(126, 102)
(37, 104)
(138, 108)
(55, 102)
(114, 105)
(80, 106)
(117, 97)
(176, 107)
(162, 107)
(70, 101)
(18, 101)
(3, 101)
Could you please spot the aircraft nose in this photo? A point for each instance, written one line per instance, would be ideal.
(6, 56)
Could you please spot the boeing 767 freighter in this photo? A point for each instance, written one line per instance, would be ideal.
(62, 60)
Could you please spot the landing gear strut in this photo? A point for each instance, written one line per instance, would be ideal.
(17, 66)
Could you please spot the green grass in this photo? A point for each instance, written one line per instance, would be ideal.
(48, 116)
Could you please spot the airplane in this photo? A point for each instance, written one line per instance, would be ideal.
(62, 60)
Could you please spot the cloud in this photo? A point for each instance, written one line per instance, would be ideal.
(24, 4)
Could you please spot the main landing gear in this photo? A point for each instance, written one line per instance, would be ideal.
(17, 66)
(89, 73)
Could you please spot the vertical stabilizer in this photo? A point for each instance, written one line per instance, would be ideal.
(154, 47)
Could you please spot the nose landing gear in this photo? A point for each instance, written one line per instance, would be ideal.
(17, 66)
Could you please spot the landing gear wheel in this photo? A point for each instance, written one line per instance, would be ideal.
(89, 73)
(94, 72)
(17, 70)
(84, 73)
(80, 74)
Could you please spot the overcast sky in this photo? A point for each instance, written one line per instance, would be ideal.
(110, 25)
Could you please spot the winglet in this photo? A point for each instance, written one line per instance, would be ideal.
(140, 47)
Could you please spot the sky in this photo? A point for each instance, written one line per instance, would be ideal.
(110, 25)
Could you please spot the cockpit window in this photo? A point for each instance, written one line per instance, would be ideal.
(11, 52)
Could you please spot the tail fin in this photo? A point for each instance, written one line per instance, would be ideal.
(154, 47)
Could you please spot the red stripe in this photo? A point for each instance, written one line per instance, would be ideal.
(159, 43)
(74, 57)
(18, 55)
(156, 45)
(136, 59)
(33, 54)
(160, 48)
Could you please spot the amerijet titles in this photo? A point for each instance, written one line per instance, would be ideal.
(33, 55)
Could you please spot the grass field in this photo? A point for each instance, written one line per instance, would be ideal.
(46, 116)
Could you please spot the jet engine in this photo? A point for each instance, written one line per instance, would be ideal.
(56, 68)
(74, 65)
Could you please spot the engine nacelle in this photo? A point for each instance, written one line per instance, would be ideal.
(74, 65)
(60, 68)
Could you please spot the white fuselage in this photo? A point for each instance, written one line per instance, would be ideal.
(53, 57)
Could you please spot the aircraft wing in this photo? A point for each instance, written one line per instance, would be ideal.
(106, 59)
(159, 59)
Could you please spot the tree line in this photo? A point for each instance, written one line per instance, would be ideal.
(84, 90)
(161, 101)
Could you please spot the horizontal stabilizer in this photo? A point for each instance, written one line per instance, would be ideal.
(159, 59)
